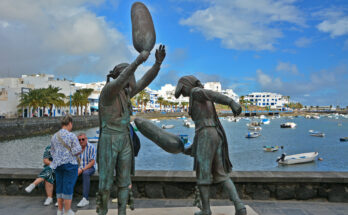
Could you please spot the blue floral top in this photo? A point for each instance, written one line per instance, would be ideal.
(60, 154)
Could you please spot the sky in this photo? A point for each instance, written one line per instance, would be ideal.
(296, 48)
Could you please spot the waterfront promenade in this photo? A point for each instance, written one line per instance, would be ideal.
(29, 205)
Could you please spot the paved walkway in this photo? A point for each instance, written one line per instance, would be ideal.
(24, 205)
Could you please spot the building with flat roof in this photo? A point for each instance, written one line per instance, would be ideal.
(267, 99)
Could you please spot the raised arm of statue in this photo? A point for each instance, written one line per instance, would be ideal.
(151, 73)
(123, 79)
(201, 94)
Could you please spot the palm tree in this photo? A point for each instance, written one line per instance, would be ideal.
(184, 104)
(160, 101)
(85, 94)
(54, 97)
(176, 105)
(33, 99)
(141, 96)
(77, 100)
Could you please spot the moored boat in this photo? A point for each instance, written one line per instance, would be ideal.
(270, 148)
(252, 134)
(288, 125)
(265, 121)
(344, 139)
(167, 126)
(254, 128)
(297, 158)
(189, 124)
(316, 133)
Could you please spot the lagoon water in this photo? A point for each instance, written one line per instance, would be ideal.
(245, 154)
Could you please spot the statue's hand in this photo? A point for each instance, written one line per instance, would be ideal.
(160, 54)
(142, 57)
(236, 108)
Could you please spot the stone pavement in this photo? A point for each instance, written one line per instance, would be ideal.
(218, 210)
(27, 205)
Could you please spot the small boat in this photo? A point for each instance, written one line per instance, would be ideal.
(316, 133)
(155, 120)
(167, 126)
(253, 123)
(288, 125)
(94, 139)
(189, 124)
(232, 119)
(254, 128)
(315, 117)
(344, 139)
(265, 121)
(252, 134)
(270, 148)
(297, 158)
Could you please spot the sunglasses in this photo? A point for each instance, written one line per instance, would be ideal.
(82, 139)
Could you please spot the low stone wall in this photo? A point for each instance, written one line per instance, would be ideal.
(27, 127)
(258, 185)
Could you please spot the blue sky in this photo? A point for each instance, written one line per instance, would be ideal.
(296, 48)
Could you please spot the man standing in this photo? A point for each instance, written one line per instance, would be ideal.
(87, 167)
(115, 150)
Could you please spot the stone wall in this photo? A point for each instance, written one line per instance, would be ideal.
(330, 186)
(27, 127)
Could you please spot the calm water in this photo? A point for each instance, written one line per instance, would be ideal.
(245, 154)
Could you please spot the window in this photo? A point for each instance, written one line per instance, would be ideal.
(263, 103)
(272, 103)
(263, 99)
(263, 96)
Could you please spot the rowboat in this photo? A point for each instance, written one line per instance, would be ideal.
(265, 121)
(189, 124)
(252, 134)
(344, 139)
(254, 128)
(316, 133)
(288, 125)
(270, 148)
(297, 158)
(167, 126)
(94, 139)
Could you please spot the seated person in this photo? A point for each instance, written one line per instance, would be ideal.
(87, 167)
(46, 175)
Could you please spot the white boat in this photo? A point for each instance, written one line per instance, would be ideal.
(253, 123)
(189, 124)
(270, 148)
(167, 126)
(232, 119)
(288, 125)
(252, 134)
(155, 120)
(315, 117)
(94, 139)
(297, 158)
(254, 128)
(262, 117)
(316, 133)
(265, 121)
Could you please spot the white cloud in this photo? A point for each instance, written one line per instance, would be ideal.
(62, 37)
(335, 22)
(245, 24)
(303, 42)
(321, 88)
(287, 67)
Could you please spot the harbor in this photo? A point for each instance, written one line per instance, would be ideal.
(28, 151)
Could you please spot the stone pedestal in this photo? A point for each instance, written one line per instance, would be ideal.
(217, 210)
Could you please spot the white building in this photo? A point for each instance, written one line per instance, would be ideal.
(214, 86)
(94, 97)
(12, 88)
(267, 99)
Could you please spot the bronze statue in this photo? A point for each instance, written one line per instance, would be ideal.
(115, 149)
(210, 148)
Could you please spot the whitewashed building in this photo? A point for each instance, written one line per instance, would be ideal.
(12, 88)
(267, 99)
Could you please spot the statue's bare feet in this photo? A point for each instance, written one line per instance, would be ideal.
(241, 211)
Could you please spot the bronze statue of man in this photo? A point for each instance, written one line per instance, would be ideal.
(210, 148)
(115, 151)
